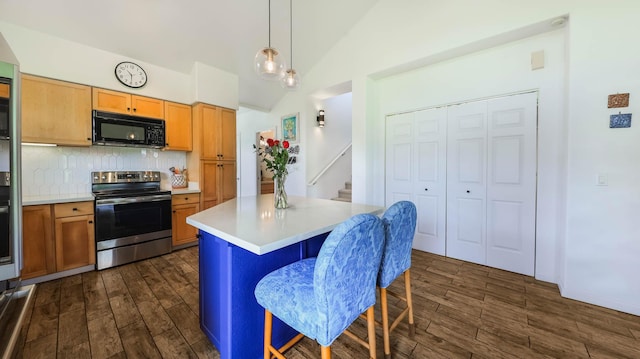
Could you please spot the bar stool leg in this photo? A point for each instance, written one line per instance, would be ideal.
(385, 322)
(371, 332)
(325, 352)
(407, 287)
(268, 323)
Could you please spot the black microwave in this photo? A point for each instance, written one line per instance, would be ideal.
(113, 129)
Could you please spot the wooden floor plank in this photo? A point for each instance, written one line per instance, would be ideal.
(150, 309)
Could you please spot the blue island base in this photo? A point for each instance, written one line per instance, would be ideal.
(229, 314)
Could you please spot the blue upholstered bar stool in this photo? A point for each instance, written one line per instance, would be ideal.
(320, 297)
(400, 225)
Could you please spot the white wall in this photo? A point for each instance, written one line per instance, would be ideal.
(49, 56)
(598, 256)
(324, 144)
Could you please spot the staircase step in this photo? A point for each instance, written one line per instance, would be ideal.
(347, 185)
(341, 199)
(345, 193)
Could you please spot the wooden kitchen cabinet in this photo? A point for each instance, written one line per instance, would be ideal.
(220, 177)
(5, 91)
(177, 119)
(217, 132)
(57, 237)
(184, 205)
(55, 112)
(213, 158)
(38, 244)
(128, 104)
(75, 239)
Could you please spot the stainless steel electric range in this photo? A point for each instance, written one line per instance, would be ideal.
(133, 217)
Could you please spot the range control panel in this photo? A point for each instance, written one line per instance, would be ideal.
(125, 176)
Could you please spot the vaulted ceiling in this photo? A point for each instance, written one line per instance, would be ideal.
(173, 34)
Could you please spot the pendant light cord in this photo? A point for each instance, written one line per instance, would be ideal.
(290, 30)
(269, 23)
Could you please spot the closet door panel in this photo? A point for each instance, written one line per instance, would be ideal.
(399, 157)
(466, 182)
(429, 186)
(511, 184)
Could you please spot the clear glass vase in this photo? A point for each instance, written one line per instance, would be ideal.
(279, 194)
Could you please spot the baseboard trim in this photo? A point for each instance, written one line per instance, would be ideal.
(58, 275)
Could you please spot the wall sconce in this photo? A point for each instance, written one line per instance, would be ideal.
(320, 118)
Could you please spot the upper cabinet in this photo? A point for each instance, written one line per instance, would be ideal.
(177, 119)
(128, 104)
(217, 132)
(4, 90)
(55, 112)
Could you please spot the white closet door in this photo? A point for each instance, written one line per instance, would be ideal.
(511, 183)
(430, 184)
(466, 182)
(399, 158)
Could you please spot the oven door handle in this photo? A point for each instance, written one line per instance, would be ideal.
(140, 199)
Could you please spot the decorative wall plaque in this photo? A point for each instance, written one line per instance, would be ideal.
(621, 120)
(618, 100)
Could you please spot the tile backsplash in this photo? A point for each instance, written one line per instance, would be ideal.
(67, 170)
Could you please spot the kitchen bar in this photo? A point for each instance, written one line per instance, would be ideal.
(241, 241)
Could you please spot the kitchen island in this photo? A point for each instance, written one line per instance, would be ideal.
(240, 242)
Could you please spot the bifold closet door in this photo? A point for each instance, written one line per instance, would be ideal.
(416, 171)
(491, 182)
(511, 183)
(466, 182)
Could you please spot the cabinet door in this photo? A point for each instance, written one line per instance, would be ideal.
(209, 129)
(227, 181)
(38, 246)
(184, 233)
(227, 135)
(147, 107)
(178, 121)
(75, 243)
(55, 112)
(4, 91)
(209, 184)
(111, 101)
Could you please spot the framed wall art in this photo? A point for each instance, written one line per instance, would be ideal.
(290, 130)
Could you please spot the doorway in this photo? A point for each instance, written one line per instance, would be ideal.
(264, 177)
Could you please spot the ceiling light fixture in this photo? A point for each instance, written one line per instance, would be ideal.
(268, 63)
(290, 79)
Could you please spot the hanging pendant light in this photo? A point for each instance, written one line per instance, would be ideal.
(268, 63)
(290, 79)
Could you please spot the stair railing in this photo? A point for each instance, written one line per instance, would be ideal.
(326, 168)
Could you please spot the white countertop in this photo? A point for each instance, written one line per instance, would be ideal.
(254, 224)
(56, 198)
(184, 191)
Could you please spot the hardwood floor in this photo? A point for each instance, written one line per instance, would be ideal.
(149, 309)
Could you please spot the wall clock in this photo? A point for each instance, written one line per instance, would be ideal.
(130, 74)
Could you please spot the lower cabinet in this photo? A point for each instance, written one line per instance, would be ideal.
(184, 205)
(218, 182)
(57, 237)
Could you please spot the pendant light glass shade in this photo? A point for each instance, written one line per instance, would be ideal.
(269, 64)
(290, 80)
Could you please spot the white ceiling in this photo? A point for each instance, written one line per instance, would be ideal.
(225, 34)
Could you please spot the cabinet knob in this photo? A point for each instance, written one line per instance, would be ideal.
(128, 108)
(468, 191)
(90, 222)
(74, 209)
(186, 198)
(426, 189)
(88, 138)
(174, 211)
(134, 110)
